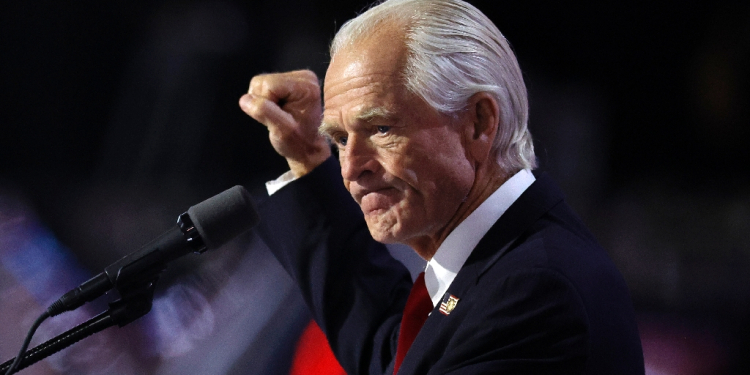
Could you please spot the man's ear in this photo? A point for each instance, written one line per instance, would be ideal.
(484, 117)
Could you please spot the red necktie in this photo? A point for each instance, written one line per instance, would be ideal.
(418, 307)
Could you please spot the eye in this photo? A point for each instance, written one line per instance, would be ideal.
(383, 129)
(341, 140)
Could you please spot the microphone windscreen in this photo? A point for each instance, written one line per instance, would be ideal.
(224, 216)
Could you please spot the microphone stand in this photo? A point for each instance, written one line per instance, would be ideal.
(135, 302)
(225, 216)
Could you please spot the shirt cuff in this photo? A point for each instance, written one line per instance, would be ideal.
(280, 182)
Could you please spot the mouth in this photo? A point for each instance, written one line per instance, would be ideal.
(378, 201)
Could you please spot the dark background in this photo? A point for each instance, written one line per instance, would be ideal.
(118, 115)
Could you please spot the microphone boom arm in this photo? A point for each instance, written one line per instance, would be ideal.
(150, 259)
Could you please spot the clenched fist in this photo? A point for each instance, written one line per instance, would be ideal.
(289, 105)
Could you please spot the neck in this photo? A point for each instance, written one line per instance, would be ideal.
(485, 183)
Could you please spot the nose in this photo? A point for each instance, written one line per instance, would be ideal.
(358, 158)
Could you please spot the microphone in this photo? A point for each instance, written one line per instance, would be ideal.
(206, 225)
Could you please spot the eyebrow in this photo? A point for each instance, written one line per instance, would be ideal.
(327, 129)
(368, 115)
(374, 113)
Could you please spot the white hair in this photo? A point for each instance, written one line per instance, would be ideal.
(453, 52)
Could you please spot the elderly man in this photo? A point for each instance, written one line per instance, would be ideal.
(426, 105)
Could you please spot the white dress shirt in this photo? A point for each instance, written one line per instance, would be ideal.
(280, 182)
(453, 252)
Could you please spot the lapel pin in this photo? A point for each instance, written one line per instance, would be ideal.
(448, 303)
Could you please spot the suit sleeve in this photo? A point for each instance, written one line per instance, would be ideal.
(355, 290)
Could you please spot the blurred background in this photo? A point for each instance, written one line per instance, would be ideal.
(117, 116)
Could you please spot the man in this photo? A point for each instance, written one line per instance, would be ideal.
(425, 102)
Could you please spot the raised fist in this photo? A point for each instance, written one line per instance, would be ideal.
(289, 105)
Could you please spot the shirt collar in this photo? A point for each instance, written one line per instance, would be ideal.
(453, 252)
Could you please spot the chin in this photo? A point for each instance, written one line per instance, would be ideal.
(384, 232)
(382, 237)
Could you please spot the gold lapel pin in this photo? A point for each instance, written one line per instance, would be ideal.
(448, 303)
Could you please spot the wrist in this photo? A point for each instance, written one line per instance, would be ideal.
(314, 157)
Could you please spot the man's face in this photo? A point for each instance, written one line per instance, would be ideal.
(401, 160)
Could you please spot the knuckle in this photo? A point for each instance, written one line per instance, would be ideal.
(307, 76)
(310, 74)
(265, 87)
(255, 83)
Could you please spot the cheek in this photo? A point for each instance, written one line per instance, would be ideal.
(405, 164)
(432, 182)
(411, 175)
(447, 186)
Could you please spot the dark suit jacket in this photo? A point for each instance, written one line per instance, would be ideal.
(536, 296)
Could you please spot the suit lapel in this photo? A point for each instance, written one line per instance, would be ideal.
(428, 346)
(538, 199)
